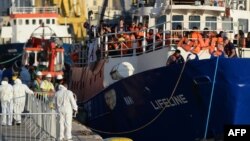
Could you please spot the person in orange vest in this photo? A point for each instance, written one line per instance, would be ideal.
(241, 39)
(159, 38)
(212, 42)
(150, 39)
(206, 35)
(139, 36)
(132, 27)
(128, 42)
(121, 24)
(185, 42)
(197, 40)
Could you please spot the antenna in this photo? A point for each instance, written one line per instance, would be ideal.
(13, 4)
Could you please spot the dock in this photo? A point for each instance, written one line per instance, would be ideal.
(82, 133)
(29, 131)
(40, 122)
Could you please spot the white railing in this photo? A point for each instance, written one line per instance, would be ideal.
(145, 46)
(142, 45)
(43, 103)
(33, 10)
(34, 126)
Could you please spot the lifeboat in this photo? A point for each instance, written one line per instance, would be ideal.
(44, 50)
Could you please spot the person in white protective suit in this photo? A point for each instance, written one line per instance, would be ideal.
(66, 106)
(6, 97)
(20, 90)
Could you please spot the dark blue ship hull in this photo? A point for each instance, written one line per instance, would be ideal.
(9, 53)
(146, 106)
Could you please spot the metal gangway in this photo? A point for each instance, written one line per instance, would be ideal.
(40, 122)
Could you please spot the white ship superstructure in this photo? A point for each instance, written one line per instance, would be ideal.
(213, 14)
(24, 20)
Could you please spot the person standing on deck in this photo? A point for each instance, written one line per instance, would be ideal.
(229, 48)
(175, 58)
(66, 106)
(59, 81)
(47, 85)
(19, 96)
(1, 72)
(37, 82)
(25, 75)
(6, 97)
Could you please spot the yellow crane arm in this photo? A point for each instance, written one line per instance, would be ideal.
(73, 12)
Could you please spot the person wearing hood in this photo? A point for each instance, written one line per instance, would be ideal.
(20, 90)
(37, 82)
(65, 106)
(6, 97)
(59, 81)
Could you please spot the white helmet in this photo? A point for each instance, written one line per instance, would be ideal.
(48, 75)
(39, 73)
(59, 77)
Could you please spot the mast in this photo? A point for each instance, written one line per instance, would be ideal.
(32, 2)
(13, 4)
(171, 18)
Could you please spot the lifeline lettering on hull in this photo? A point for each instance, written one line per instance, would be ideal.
(169, 102)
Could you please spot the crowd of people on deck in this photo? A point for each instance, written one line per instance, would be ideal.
(125, 37)
(218, 45)
(13, 90)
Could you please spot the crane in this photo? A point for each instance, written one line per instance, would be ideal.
(72, 12)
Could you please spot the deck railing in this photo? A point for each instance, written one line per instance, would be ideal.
(138, 46)
(33, 10)
(34, 126)
(42, 103)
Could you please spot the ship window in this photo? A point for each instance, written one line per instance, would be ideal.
(95, 2)
(149, 2)
(177, 20)
(33, 21)
(136, 19)
(20, 21)
(211, 22)
(14, 22)
(27, 22)
(47, 21)
(160, 21)
(145, 20)
(227, 23)
(194, 21)
(243, 25)
(53, 21)
(40, 21)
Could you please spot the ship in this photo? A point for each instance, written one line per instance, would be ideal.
(134, 94)
(22, 19)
